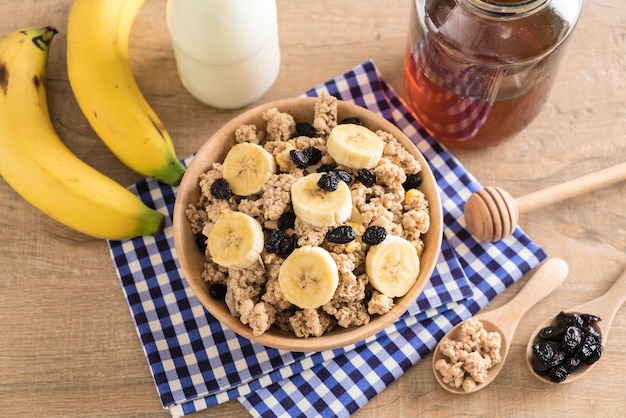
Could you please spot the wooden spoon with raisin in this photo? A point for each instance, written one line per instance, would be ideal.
(565, 347)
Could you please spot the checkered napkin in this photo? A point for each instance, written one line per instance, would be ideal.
(197, 363)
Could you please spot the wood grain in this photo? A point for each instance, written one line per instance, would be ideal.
(67, 343)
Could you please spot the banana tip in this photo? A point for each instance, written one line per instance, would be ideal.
(177, 182)
(160, 228)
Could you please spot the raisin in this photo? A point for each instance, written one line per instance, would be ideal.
(273, 241)
(366, 177)
(351, 120)
(546, 354)
(329, 181)
(572, 338)
(551, 333)
(564, 319)
(287, 246)
(287, 220)
(344, 176)
(589, 319)
(341, 235)
(325, 168)
(312, 155)
(305, 129)
(595, 354)
(298, 158)
(558, 374)
(374, 235)
(571, 363)
(217, 290)
(590, 350)
(590, 330)
(220, 189)
(413, 181)
(201, 242)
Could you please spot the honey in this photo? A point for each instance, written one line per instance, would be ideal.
(477, 72)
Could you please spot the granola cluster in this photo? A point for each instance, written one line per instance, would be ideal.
(252, 293)
(469, 358)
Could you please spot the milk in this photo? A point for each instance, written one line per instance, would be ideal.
(227, 51)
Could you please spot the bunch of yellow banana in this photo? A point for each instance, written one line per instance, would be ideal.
(100, 75)
(38, 166)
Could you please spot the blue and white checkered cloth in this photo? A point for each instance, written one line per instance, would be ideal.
(197, 363)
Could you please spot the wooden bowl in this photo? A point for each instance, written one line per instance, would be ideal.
(192, 260)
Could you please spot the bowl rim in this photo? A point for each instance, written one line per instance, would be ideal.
(214, 149)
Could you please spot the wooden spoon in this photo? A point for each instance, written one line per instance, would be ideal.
(492, 214)
(504, 319)
(606, 306)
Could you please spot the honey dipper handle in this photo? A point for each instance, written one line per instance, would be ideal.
(571, 188)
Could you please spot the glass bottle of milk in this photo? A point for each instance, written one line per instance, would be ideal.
(226, 51)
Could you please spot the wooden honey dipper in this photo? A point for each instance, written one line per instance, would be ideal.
(492, 214)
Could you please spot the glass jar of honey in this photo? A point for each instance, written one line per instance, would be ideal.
(477, 72)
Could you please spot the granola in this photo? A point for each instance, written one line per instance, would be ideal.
(253, 293)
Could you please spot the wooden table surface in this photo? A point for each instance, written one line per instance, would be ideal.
(68, 346)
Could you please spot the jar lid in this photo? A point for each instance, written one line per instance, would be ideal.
(506, 8)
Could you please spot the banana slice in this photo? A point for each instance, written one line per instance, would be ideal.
(317, 206)
(392, 266)
(247, 167)
(236, 240)
(354, 146)
(309, 277)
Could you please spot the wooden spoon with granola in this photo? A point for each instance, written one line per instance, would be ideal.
(471, 354)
